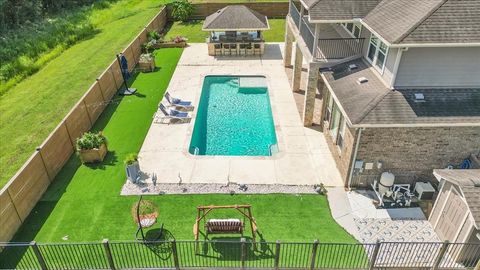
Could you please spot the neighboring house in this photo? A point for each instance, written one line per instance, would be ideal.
(456, 213)
(399, 79)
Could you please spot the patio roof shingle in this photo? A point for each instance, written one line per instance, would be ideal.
(373, 103)
(235, 17)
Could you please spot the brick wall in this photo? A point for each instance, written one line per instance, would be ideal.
(414, 152)
(342, 158)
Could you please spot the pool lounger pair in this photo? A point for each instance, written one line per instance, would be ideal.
(170, 114)
(178, 103)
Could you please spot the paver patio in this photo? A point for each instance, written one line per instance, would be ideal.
(304, 157)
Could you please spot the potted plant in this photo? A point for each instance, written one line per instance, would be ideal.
(92, 147)
(131, 167)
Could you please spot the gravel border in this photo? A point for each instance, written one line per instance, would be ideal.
(172, 188)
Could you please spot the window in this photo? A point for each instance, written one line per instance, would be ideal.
(353, 28)
(377, 52)
(341, 134)
(335, 122)
(328, 111)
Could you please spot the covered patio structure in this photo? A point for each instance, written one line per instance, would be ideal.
(235, 30)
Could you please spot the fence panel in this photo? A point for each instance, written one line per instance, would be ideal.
(77, 121)
(260, 255)
(343, 255)
(94, 102)
(404, 254)
(18, 256)
(221, 254)
(10, 220)
(295, 255)
(460, 255)
(128, 255)
(56, 150)
(28, 185)
(74, 256)
(108, 82)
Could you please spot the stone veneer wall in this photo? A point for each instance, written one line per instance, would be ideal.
(415, 151)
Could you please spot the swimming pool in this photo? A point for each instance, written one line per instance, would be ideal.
(234, 118)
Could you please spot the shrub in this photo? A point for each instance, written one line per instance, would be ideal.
(90, 140)
(130, 159)
(181, 10)
(153, 35)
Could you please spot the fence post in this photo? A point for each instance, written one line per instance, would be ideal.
(108, 254)
(314, 254)
(277, 254)
(39, 256)
(374, 255)
(243, 252)
(175, 254)
(440, 255)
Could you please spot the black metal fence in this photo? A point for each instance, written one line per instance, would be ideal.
(339, 48)
(238, 255)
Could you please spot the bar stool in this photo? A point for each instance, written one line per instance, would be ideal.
(226, 49)
(233, 49)
(257, 49)
(249, 49)
(218, 49)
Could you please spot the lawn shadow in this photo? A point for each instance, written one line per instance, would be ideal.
(229, 249)
(110, 159)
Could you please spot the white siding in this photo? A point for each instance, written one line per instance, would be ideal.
(439, 67)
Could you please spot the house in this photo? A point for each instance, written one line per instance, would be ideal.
(456, 213)
(399, 81)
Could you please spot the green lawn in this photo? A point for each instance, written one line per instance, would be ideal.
(193, 31)
(84, 201)
(32, 109)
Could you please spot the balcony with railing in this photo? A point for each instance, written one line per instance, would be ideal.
(331, 46)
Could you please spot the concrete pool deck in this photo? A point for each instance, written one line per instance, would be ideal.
(304, 157)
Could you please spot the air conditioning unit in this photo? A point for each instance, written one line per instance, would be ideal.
(424, 190)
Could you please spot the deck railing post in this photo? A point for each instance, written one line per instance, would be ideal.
(441, 254)
(39, 255)
(376, 249)
(277, 254)
(108, 254)
(243, 251)
(175, 254)
(314, 254)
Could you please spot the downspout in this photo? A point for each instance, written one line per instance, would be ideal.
(354, 157)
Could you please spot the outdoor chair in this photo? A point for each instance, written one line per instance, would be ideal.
(243, 49)
(233, 49)
(218, 49)
(176, 102)
(226, 49)
(170, 114)
(257, 49)
(249, 49)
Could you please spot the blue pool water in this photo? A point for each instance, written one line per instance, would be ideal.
(234, 118)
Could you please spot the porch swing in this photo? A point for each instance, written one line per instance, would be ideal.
(224, 226)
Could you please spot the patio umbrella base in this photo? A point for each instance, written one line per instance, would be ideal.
(128, 92)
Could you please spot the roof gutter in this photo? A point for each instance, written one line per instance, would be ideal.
(467, 124)
(399, 45)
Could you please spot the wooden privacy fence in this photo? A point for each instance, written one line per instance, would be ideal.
(22, 192)
(239, 255)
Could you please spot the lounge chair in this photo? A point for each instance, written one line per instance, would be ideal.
(176, 102)
(170, 114)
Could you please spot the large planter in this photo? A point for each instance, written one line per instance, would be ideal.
(93, 155)
(170, 44)
(132, 171)
(146, 64)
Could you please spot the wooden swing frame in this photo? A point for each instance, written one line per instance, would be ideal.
(245, 210)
